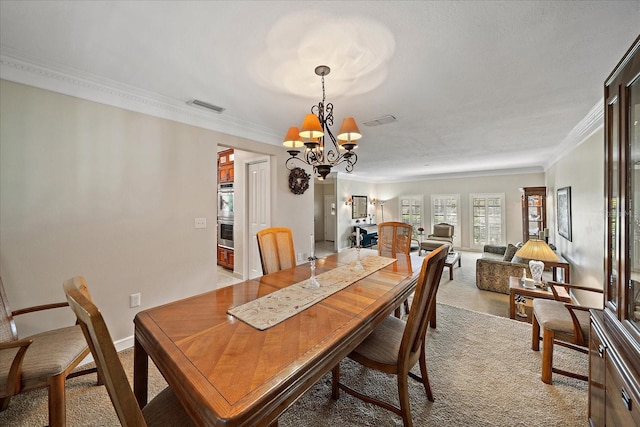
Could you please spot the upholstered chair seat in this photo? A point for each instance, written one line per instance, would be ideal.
(50, 353)
(562, 324)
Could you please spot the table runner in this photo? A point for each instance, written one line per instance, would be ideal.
(269, 310)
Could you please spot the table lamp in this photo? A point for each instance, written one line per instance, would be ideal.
(537, 251)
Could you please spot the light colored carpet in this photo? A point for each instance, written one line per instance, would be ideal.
(482, 371)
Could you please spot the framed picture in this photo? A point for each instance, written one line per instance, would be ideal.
(564, 212)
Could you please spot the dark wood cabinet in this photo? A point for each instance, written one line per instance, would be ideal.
(534, 212)
(225, 166)
(615, 331)
(225, 257)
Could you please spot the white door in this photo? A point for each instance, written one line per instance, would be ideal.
(330, 218)
(258, 210)
(487, 216)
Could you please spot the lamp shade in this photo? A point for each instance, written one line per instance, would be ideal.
(311, 127)
(349, 130)
(292, 139)
(537, 250)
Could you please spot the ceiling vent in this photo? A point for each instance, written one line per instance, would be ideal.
(381, 120)
(206, 105)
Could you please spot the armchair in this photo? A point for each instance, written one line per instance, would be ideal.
(442, 234)
(564, 324)
(42, 360)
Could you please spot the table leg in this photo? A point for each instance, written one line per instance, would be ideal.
(140, 373)
(512, 304)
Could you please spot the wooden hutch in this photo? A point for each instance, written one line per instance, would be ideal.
(614, 354)
(534, 212)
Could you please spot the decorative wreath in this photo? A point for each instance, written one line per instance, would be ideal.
(298, 181)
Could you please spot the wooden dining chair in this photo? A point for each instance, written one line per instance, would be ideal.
(275, 245)
(563, 324)
(395, 238)
(395, 346)
(163, 410)
(44, 360)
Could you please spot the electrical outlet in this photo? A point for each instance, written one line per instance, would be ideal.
(134, 300)
(201, 222)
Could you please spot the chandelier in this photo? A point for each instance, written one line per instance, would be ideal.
(321, 152)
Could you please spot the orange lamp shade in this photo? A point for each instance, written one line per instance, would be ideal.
(293, 140)
(349, 130)
(311, 127)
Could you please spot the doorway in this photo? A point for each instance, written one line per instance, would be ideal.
(325, 215)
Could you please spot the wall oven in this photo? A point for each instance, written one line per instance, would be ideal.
(225, 233)
(225, 201)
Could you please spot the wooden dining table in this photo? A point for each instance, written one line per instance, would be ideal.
(228, 373)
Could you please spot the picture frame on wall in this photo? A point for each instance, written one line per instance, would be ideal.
(563, 202)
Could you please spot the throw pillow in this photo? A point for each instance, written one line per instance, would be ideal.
(518, 260)
(510, 252)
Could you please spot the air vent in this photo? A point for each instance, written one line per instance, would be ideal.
(381, 120)
(206, 105)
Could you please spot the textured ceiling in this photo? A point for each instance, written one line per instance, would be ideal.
(475, 86)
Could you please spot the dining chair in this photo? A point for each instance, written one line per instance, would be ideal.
(564, 324)
(44, 360)
(394, 238)
(395, 346)
(275, 245)
(163, 410)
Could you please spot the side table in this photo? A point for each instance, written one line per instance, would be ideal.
(515, 288)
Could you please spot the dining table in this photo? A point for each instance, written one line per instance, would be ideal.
(226, 372)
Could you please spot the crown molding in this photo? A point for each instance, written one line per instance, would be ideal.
(590, 124)
(108, 92)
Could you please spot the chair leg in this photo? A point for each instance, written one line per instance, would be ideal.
(547, 355)
(406, 305)
(535, 333)
(57, 401)
(335, 382)
(425, 375)
(4, 403)
(403, 393)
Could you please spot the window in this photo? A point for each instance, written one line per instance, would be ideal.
(411, 212)
(444, 208)
(487, 216)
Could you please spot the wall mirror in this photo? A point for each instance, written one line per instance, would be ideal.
(359, 207)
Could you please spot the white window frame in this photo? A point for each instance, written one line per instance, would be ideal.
(503, 231)
(418, 199)
(456, 224)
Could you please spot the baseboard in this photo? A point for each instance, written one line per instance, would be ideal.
(122, 344)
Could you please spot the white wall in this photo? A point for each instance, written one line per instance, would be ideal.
(93, 190)
(582, 169)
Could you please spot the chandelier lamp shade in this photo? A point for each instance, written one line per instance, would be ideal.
(314, 144)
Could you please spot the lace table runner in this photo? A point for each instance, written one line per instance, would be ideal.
(269, 310)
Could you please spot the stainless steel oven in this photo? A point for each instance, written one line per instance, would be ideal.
(225, 201)
(225, 233)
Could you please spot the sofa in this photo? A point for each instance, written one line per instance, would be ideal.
(495, 266)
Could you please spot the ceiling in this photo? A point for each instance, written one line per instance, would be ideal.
(476, 87)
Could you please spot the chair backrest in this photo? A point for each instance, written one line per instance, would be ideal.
(422, 306)
(276, 249)
(443, 230)
(8, 331)
(394, 238)
(104, 352)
